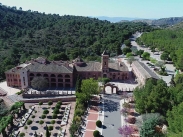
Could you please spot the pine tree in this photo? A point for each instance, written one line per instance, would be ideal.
(47, 132)
(78, 84)
(35, 134)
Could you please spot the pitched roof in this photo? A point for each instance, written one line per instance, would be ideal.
(91, 66)
(52, 67)
(144, 70)
(117, 67)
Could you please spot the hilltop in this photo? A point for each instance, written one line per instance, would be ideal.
(160, 22)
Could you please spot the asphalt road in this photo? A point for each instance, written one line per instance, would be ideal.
(112, 120)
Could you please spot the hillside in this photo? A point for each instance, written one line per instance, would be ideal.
(161, 22)
(178, 26)
(29, 34)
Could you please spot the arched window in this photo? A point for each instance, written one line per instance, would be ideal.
(52, 75)
(59, 76)
(38, 75)
(45, 75)
(53, 80)
(31, 74)
(67, 76)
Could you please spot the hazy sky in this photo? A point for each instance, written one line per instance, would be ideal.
(111, 8)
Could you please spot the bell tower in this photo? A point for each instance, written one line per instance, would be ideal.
(104, 65)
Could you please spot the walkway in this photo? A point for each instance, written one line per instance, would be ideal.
(94, 114)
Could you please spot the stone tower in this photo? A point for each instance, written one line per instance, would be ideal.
(104, 65)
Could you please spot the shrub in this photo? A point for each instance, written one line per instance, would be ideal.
(54, 116)
(53, 122)
(45, 111)
(33, 116)
(40, 103)
(50, 128)
(126, 105)
(20, 92)
(22, 134)
(25, 127)
(56, 111)
(59, 102)
(50, 103)
(99, 123)
(29, 122)
(57, 106)
(43, 116)
(131, 120)
(79, 112)
(77, 119)
(35, 111)
(125, 130)
(96, 133)
(41, 122)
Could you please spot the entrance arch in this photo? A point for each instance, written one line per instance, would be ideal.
(113, 88)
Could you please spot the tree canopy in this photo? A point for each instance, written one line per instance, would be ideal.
(168, 41)
(88, 87)
(175, 119)
(29, 34)
(39, 83)
(153, 97)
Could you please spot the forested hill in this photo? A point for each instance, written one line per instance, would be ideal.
(161, 22)
(169, 40)
(29, 34)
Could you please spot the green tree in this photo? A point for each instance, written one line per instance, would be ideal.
(59, 56)
(140, 52)
(164, 56)
(78, 84)
(88, 87)
(154, 97)
(130, 59)
(175, 119)
(146, 55)
(47, 132)
(126, 50)
(128, 43)
(39, 83)
(148, 128)
(129, 54)
(179, 78)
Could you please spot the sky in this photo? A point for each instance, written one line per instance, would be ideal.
(150, 9)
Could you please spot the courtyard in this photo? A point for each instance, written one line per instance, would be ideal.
(56, 116)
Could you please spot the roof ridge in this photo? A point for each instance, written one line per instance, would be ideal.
(67, 68)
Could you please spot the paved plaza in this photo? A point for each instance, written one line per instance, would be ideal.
(9, 90)
(128, 85)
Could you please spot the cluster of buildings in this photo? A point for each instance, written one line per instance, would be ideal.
(61, 74)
